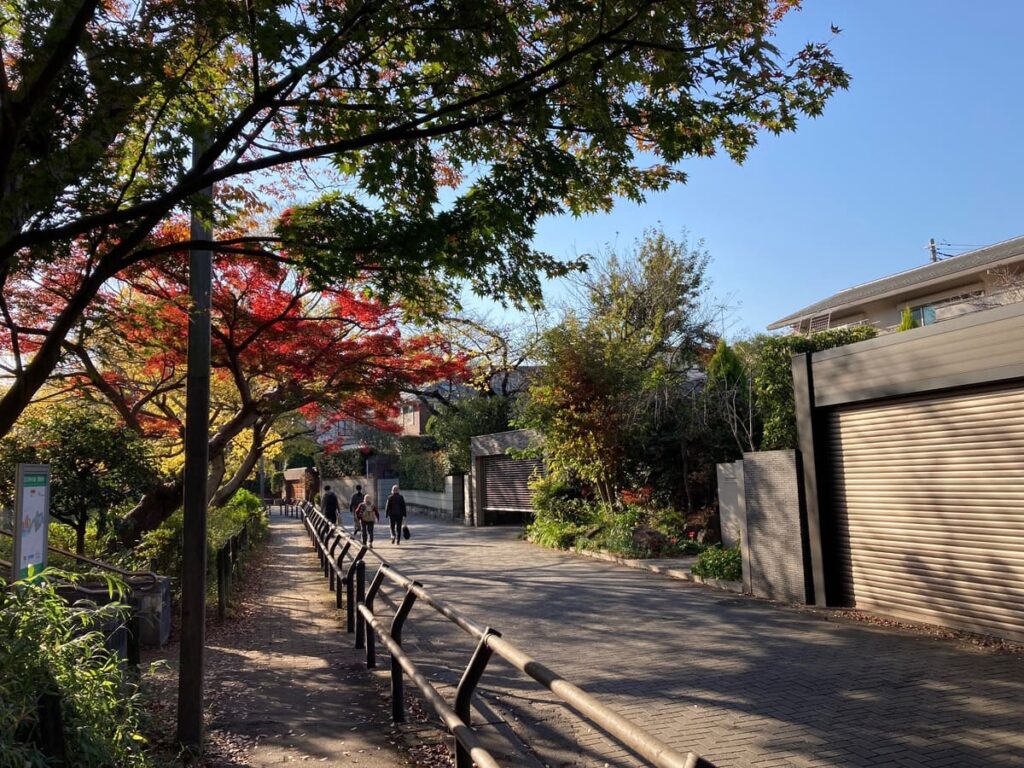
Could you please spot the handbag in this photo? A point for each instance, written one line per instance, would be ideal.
(405, 532)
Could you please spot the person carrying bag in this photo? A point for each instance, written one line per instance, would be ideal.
(367, 515)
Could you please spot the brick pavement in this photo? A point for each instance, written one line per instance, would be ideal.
(740, 681)
(294, 684)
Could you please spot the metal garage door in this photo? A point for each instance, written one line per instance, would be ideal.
(929, 504)
(506, 494)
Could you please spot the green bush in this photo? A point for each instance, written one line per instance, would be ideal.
(160, 550)
(773, 379)
(556, 534)
(564, 520)
(347, 463)
(47, 646)
(421, 465)
(554, 499)
(717, 563)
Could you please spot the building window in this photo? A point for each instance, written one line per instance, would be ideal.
(923, 314)
(819, 323)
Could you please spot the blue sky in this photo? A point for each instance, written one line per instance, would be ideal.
(926, 143)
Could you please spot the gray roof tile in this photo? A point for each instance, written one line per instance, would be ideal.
(965, 262)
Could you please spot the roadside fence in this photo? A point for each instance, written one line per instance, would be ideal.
(343, 560)
(229, 555)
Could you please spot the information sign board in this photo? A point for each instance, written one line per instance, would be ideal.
(31, 518)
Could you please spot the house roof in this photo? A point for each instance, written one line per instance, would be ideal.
(1008, 250)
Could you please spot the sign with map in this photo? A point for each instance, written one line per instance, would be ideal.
(31, 519)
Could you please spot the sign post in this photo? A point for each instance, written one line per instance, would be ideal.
(31, 518)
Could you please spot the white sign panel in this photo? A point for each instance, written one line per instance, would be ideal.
(31, 518)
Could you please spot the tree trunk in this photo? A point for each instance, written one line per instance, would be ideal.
(80, 535)
(216, 476)
(686, 476)
(153, 508)
(226, 491)
(161, 502)
(31, 378)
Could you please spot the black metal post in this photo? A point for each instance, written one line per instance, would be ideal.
(371, 636)
(339, 581)
(197, 459)
(350, 591)
(464, 693)
(360, 597)
(222, 586)
(397, 681)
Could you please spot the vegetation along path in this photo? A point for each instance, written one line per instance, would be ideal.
(738, 680)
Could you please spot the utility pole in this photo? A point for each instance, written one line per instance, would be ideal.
(197, 459)
(933, 249)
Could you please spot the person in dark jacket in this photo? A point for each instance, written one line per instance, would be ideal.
(394, 511)
(329, 505)
(357, 499)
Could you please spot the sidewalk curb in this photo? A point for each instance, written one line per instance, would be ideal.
(683, 574)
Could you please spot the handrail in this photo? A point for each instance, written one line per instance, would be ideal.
(228, 559)
(326, 536)
(153, 577)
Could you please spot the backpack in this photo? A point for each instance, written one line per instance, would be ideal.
(366, 514)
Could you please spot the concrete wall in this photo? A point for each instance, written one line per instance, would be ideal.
(442, 505)
(732, 515)
(760, 506)
(775, 549)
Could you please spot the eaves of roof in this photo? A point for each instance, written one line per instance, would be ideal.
(1006, 252)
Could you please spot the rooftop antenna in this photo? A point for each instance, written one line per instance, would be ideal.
(933, 249)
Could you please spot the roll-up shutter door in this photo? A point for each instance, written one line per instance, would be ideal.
(505, 485)
(929, 508)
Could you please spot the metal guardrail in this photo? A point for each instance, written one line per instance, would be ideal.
(343, 561)
(135, 581)
(228, 557)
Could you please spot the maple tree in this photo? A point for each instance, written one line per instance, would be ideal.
(522, 109)
(280, 347)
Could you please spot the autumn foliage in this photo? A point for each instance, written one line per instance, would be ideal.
(280, 347)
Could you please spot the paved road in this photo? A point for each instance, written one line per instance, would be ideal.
(742, 682)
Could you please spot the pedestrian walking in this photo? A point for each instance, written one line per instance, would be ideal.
(394, 511)
(329, 505)
(353, 505)
(368, 516)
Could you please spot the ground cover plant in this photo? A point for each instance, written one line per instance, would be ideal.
(52, 655)
(718, 563)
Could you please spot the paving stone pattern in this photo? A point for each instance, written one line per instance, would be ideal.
(296, 686)
(738, 680)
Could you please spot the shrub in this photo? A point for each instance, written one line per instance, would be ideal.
(556, 534)
(554, 499)
(421, 465)
(48, 646)
(348, 463)
(773, 379)
(717, 563)
(160, 550)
